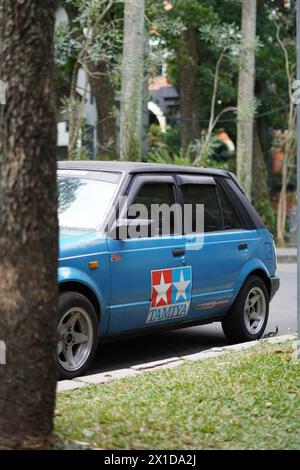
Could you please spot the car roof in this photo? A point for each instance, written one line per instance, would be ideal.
(136, 167)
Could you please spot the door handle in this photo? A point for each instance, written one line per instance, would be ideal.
(178, 253)
(243, 246)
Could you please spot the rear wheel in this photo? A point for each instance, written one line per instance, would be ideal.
(248, 317)
(77, 334)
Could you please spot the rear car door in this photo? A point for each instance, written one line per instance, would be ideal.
(150, 276)
(227, 245)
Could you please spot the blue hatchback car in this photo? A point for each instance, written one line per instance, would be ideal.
(120, 272)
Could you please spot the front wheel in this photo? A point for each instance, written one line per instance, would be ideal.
(77, 334)
(248, 317)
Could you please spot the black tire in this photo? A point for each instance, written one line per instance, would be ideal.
(88, 316)
(234, 324)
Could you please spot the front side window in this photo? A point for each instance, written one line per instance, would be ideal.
(83, 198)
(197, 194)
(155, 200)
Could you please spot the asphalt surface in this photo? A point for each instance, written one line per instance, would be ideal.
(153, 347)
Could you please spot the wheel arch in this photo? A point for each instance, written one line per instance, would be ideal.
(75, 286)
(264, 277)
(254, 267)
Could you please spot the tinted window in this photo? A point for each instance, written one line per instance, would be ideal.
(231, 218)
(204, 194)
(157, 194)
(250, 215)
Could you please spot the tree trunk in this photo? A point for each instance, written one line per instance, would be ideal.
(75, 114)
(260, 190)
(103, 93)
(188, 88)
(282, 208)
(105, 99)
(289, 151)
(75, 107)
(282, 202)
(28, 225)
(132, 81)
(246, 97)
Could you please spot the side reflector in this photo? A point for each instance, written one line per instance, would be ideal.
(94, 264)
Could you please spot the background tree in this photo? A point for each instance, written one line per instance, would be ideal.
(132, 81)
(28, 224)
(91, 41)
(184, 44)
(260, 189)
(188, 62)
(287, 141)
(104, 94)
(272, 96)
(246, 101)
(213, 87)
(225, 40)
(166, 22)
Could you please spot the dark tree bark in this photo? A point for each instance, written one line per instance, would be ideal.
(260, 190)
(28, 225)
(105, 99)
(188, 88)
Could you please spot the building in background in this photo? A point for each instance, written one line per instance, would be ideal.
(164, 100)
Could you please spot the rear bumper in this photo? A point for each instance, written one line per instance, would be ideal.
(275, 284)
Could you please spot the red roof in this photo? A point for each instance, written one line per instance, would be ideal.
(159, 82)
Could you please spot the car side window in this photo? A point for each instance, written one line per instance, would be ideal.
(157, 194)
(231, 219)
(204, 194)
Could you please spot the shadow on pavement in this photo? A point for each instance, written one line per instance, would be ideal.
(124, 353)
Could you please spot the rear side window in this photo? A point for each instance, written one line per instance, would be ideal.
(204, 194)
(231, 219)
(251, 217)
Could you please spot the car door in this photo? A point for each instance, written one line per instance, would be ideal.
(150, 275)
(227, 245)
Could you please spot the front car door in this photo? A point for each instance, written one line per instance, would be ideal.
(150, 276)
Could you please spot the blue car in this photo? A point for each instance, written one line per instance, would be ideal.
(145, 247)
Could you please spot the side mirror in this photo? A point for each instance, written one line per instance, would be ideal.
(124, 229)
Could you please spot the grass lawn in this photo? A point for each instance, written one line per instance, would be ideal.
(237, 401)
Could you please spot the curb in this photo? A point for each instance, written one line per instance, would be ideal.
(289, 259)
(286, 255)
(170, 363)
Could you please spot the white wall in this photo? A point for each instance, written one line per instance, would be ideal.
(61, 16)
(62, 134)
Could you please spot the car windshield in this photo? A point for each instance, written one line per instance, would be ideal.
(84, 197)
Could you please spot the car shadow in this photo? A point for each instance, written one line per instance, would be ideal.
(127, 352)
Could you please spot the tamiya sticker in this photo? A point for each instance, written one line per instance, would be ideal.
(170, 294)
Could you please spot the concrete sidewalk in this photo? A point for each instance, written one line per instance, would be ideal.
(170, 363)
(287, 255)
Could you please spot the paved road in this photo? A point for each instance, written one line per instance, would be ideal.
(152, 347)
